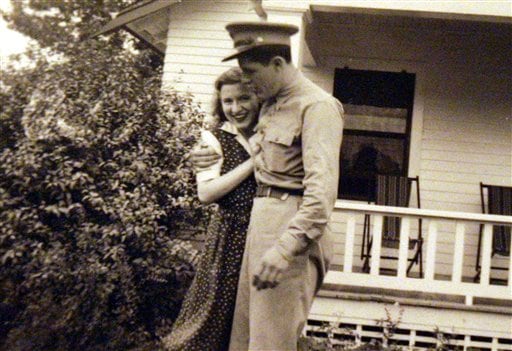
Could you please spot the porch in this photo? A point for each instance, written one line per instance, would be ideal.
(446, 305)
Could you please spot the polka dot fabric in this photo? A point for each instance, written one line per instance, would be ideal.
(204, 323)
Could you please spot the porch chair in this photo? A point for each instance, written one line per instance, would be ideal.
(392, 190)
(499, 202)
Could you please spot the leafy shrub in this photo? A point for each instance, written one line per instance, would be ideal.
(94, 192)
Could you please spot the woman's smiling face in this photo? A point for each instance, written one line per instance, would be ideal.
(240, 106)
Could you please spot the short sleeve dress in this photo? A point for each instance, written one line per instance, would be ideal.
(204, 323)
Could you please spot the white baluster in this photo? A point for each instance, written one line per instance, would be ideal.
(485, 270)
(458, 254)
(494, 344)
(431, 250)
(404, 247)
(467, 342)
(412, 339)
(349, 243)
(376, 245)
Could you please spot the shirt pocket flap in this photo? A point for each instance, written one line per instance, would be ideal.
(283, 137)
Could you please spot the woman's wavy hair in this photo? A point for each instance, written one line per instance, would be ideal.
(231, 76)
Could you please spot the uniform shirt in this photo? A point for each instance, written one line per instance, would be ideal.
(300, 133)
(209, 139)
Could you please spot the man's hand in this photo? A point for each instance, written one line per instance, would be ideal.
(254, 143)
(203, 156)
(273, 265)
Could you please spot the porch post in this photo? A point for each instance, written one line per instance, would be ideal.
(297, 16)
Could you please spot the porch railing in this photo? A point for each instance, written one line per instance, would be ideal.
(428, 283)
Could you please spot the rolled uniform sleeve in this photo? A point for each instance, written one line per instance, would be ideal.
(322, 133)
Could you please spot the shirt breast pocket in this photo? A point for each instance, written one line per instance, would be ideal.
(278, 149)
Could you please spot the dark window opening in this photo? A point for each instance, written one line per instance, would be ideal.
(376, 137)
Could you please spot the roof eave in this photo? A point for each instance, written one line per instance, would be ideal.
(131, 14)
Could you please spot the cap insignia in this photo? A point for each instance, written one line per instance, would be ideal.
(244, 42)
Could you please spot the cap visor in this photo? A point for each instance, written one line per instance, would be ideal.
(237, 53)
(241, 52)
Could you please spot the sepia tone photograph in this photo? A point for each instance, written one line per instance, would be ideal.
(255, 175)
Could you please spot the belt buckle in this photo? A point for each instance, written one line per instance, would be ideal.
(284, 196)
(268, 191)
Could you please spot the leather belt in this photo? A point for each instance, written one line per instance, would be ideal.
(277, 192)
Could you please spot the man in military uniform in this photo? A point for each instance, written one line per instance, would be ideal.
(288, 248)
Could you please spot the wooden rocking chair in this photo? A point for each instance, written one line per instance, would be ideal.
(391, 190)
(499, 202)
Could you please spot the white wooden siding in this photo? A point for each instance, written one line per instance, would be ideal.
(463, 102)
(466, 113)
(197, 42)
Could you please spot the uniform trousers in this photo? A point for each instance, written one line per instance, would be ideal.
(272, 319)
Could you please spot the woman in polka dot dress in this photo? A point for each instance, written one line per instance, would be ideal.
(205, 320)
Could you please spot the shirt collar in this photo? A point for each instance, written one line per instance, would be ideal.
(229, 127)
(291, 88)
(286, 92)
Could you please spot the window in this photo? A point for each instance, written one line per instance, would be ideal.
(378, 112)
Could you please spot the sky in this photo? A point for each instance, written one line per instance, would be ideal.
(12, 41)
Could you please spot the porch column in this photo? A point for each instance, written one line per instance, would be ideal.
(301, 56)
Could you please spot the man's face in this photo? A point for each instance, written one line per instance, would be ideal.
(264, 78)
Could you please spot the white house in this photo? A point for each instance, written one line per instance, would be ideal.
(429, 85)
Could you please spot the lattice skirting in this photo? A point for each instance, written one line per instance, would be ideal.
(419, 328)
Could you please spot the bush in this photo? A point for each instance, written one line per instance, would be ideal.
(94, 193)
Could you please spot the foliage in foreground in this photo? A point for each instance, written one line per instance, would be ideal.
(94, 193)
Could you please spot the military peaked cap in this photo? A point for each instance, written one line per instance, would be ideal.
(250, 35)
